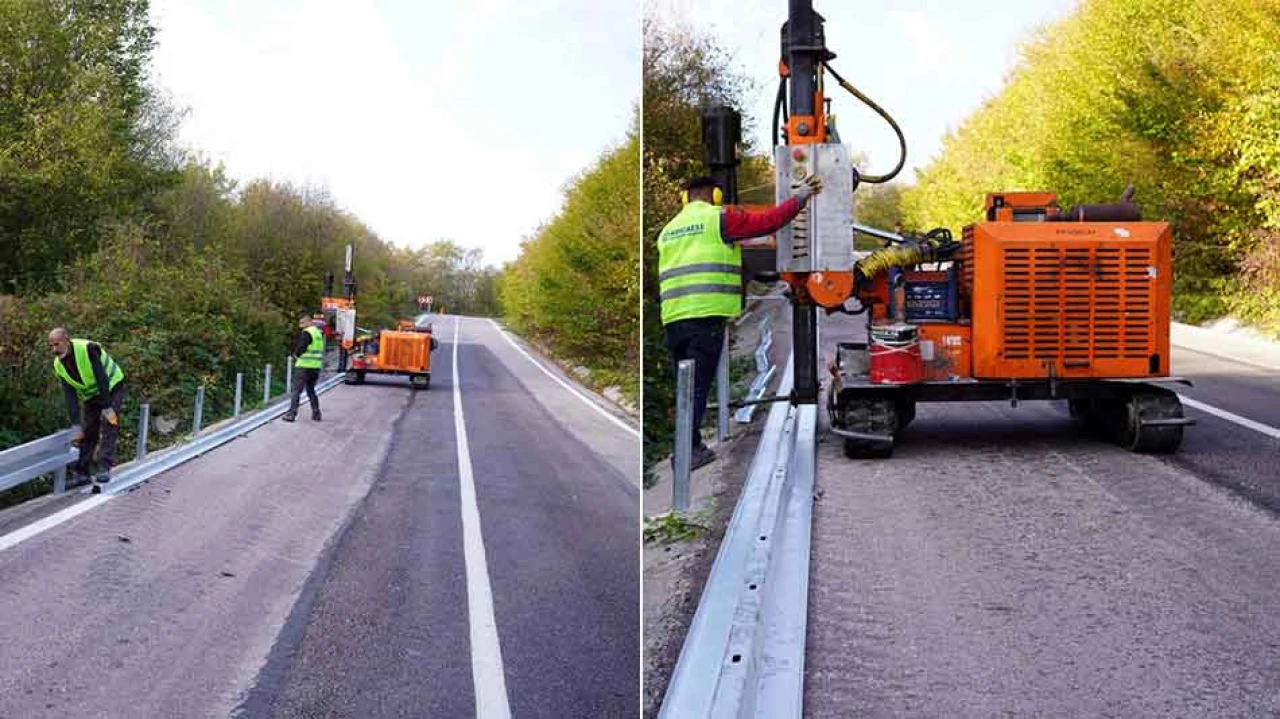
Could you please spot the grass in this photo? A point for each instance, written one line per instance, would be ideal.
(673, 527)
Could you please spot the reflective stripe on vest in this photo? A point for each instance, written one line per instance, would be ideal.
(698, 274)
(313, 358)
(87, 386)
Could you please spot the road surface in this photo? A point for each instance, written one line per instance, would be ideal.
(1002, 564)
(368, 565)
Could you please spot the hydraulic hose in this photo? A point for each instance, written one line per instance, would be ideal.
(934, 246)
(779, 108)
(902, 140)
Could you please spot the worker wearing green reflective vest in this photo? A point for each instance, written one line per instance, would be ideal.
(309, 351)
(700, 279)
(89, 377)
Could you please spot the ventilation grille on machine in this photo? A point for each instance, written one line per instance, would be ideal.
(403, 350)
(1076, 305)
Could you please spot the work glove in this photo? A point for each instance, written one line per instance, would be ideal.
(808, 187)
(109, 415)
(78, 438)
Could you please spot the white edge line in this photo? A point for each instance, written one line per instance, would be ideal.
(605, 413)
(51, 521)
(486, 651)
(1268, 430)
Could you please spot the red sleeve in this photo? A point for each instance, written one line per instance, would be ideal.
(737, 223)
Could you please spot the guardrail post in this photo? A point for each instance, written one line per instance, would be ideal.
(722, 391)
(288, 375)
(195, 422)
(144, 426)
(266, 386)
(60, 480)
(684, 436)
(235, 412)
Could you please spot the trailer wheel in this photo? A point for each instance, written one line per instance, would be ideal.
(420, 381)
(871, 416)
(1149, 405)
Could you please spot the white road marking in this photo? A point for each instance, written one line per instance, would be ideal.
(486, 652)
(605, 413)
(51, 521)
(1268, 430)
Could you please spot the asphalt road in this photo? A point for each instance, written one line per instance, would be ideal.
(339, 568)
(1004, 564)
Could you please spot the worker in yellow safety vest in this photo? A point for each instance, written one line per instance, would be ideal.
(89, 377)
(700, 278)
(309, 351)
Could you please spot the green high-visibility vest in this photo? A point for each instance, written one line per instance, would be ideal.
(87, 386)
(313, 358)
(699, 275)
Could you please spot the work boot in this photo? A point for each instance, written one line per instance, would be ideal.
(77, 479)
(701, 457)
(289, 416)
(315, 415)
(100, 481)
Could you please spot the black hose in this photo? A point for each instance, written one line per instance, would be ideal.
(779, 108)
(902, 140)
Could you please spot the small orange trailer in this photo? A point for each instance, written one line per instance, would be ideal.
(406, 350)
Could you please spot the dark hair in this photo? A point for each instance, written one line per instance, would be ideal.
(700, 182)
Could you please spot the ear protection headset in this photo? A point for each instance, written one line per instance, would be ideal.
(717, 196)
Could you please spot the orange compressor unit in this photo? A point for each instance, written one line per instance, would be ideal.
(1034, 303)
(405, 350)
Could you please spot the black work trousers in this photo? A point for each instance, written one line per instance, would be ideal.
(701, 340)
(99, 434)
(304, 378)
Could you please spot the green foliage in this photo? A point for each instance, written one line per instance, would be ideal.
(683, 73)
(1180, 98)
(186, 278)
(574, 288)
(83, 139)
(673, 527)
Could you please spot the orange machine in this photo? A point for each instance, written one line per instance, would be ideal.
(406, 350)
(1033, 303)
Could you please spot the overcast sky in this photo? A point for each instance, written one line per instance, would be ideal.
(929, 63)
(427, 120)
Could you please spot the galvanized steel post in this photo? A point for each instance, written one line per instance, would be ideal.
(684, 436)
(235, 412)
(266, 387)
(199, 413)
(722, 391)
(144, 426)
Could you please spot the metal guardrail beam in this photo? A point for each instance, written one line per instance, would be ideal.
(25, 462)
(744, 653)
(168, 459)
(764, 371)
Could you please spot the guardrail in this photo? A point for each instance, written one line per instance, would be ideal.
(174, 456)
(744, 653)
(764, 371)
(39, 457)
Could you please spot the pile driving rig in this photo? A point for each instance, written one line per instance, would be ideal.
(1032, 303)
